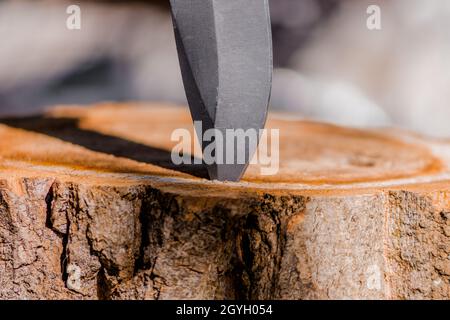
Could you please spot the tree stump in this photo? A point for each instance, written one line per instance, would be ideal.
(92, 207)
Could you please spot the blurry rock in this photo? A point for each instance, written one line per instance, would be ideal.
(404, 67)
(293, 22)
(122, 52)
(332, 101)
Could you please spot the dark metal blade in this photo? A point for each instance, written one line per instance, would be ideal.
(225, 53)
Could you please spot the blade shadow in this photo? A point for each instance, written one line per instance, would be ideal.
(67, 129)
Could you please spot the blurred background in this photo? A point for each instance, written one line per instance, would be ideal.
(328, 65)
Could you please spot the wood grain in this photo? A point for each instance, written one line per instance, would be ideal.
(92, 207)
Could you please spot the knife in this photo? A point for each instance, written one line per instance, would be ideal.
(225, 54)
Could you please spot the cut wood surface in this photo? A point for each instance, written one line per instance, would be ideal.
(92, 207)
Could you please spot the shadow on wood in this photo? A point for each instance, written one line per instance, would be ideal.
(67, 129)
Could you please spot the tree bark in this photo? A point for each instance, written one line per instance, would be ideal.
(91, 207)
